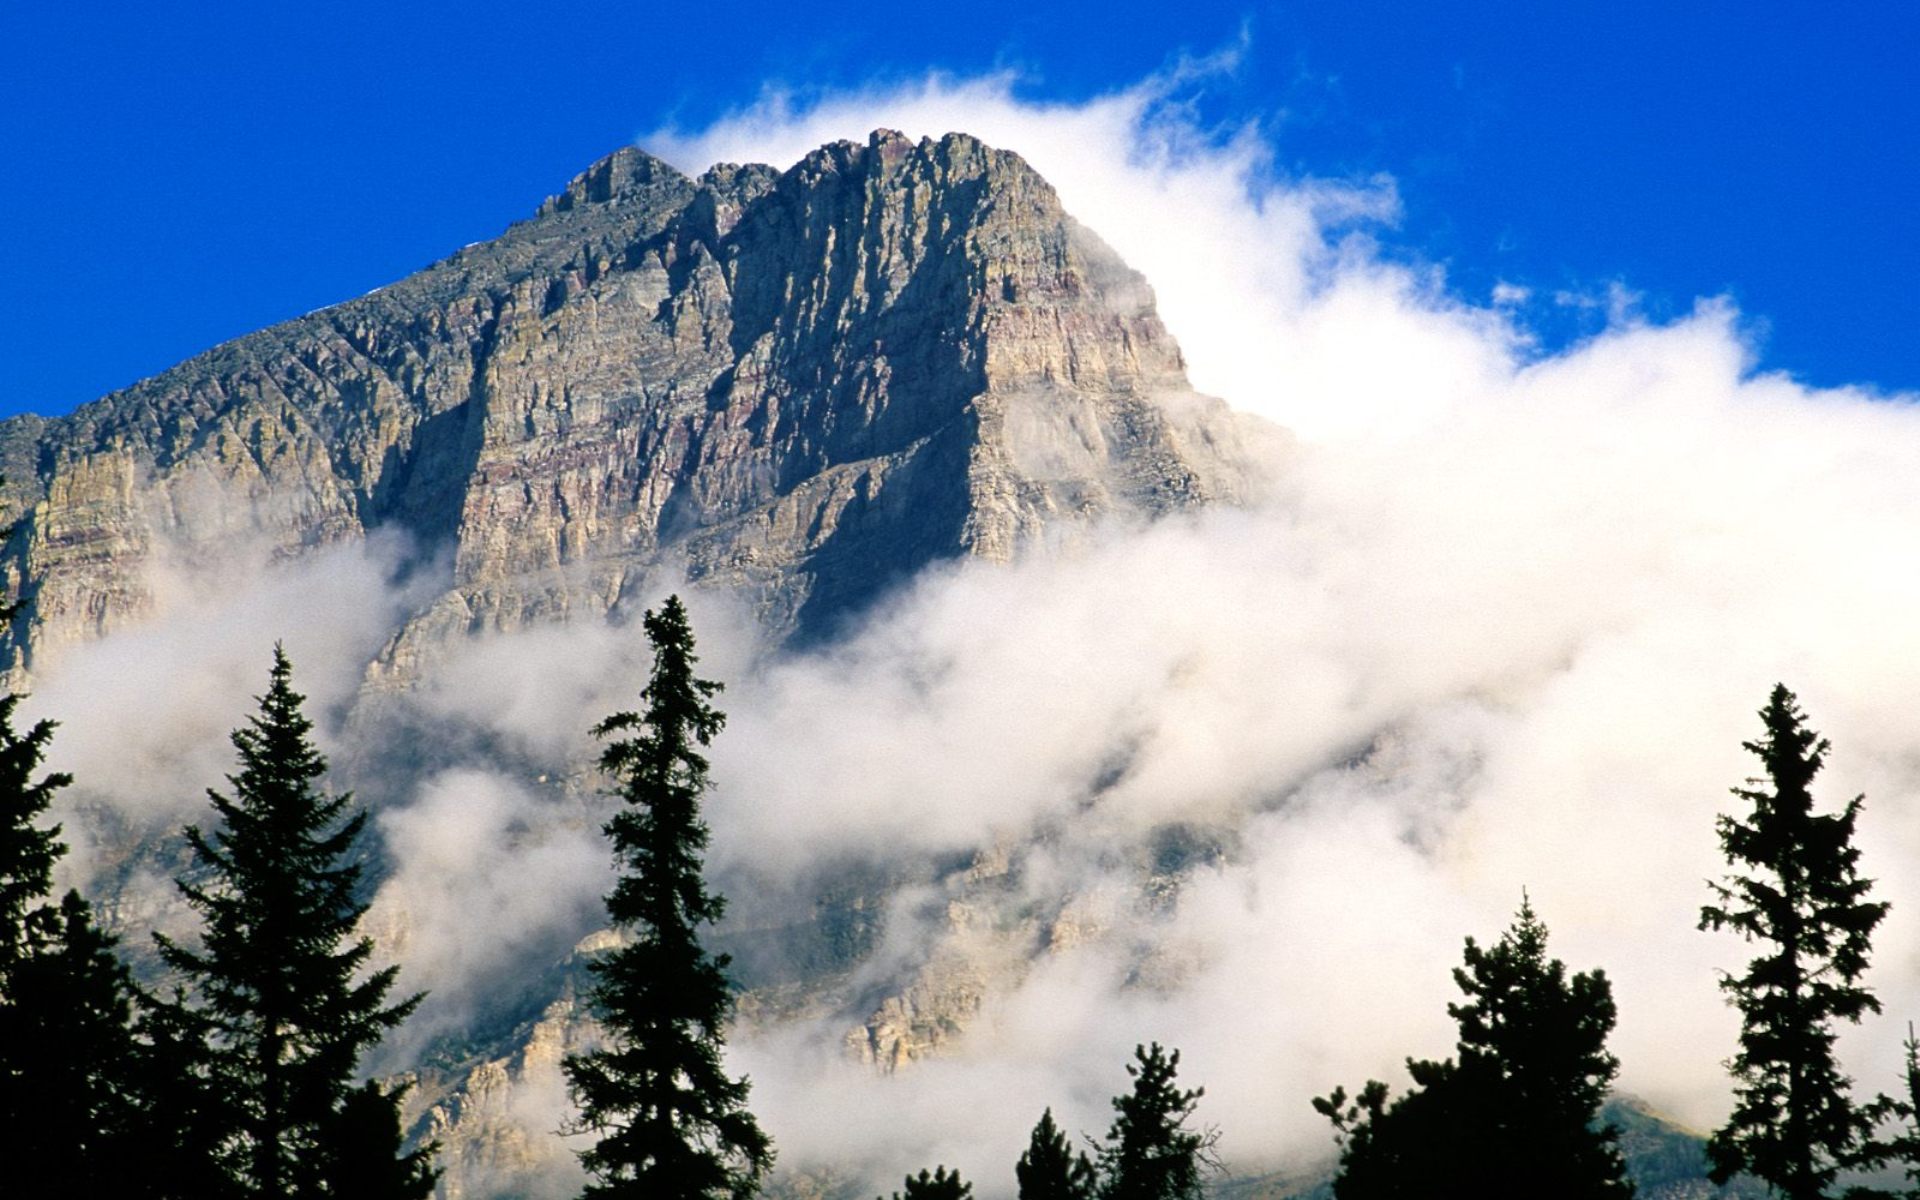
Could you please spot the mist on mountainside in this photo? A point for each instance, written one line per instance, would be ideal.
(1236, 777)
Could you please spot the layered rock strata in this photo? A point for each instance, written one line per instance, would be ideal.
(806, 384)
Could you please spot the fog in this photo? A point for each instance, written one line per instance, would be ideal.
(1503, 624)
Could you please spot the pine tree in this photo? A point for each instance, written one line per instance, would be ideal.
(1150, 1154)
(281, 994)
(27, 851)
(1796, 889)
(1518, 1112)
(1050, 1169)
(67, 1027)
(672, 1124)
(364, 1154)
(183, 1120)
(941, 1184)
(66, 1044)
(1903, 1147)
(1535, 1041)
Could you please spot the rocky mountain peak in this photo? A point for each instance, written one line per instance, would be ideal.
(627, 174)
(804, 384)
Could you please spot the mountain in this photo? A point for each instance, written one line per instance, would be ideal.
(801, 386)
(805, 384)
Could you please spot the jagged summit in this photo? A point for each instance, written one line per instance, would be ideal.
(806, 384)
(627, 174)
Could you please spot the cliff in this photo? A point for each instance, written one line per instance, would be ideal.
(804, 384)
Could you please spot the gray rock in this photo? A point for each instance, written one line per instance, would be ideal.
(807, 385)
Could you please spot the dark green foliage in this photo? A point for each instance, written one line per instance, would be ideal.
(1414, 1146)
(1150, 1154)
(280, 996)
(672, 1124)
(27, 852)
(1901, 1148)
(942, 1184)
(65, 998)
(1796, 889)
(184, 1120)
(68, 1050)
(363, 1153)
(1517, 1111)
(1904, 1147)
(1050, 1169)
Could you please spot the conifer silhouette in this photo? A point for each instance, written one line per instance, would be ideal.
(277, 993)
(1150, 1153)
(1516, 1113)
(672, 1124)
(1795, 889)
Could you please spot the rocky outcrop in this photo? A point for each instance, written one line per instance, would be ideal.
(496, 1124)
(806, 385)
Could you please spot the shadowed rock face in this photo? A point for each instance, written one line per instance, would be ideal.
(805, 384)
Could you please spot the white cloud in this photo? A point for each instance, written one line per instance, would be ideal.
(491, 878)
(145, 714)
(1558, 586)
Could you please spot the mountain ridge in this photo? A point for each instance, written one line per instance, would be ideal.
(795, 360)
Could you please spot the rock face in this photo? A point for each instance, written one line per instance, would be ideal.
(806, 384)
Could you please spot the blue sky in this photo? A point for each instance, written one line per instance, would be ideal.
(176, 175)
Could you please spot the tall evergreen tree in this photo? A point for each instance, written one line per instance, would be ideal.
(281, 992)
(1518, 1112)
(28, 851)
(1150, 1153)
(1535, 1042)
(1796, 889)
(672, 1124)
(364, 1154)
(66, 1044)
(1050, 1169)
(69, 1091)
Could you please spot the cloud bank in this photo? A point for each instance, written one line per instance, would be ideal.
(1504, 624)
(1505, 627)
